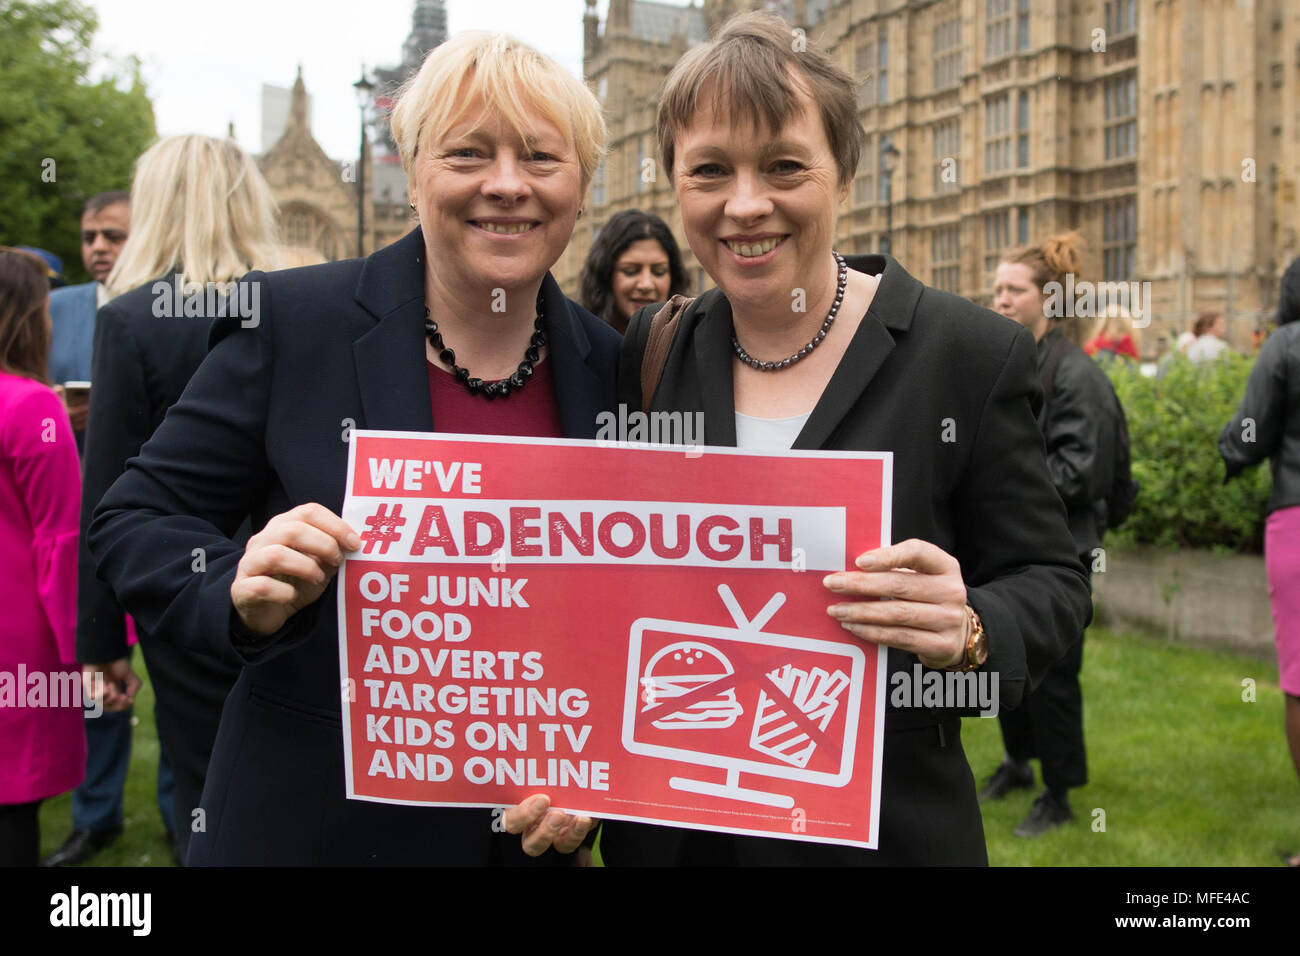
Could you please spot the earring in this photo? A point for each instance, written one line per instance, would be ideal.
(412, 205)
(580, 212)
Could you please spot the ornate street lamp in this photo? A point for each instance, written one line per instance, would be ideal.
(364, 89)
(889, 155)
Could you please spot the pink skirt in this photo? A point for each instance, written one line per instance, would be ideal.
(1282, 563)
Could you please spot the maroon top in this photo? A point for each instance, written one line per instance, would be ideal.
(530, 411)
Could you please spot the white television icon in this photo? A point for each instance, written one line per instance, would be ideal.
(786, 740)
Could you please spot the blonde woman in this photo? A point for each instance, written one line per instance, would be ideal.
(202, 217)
(1115, 335)
(499, 144)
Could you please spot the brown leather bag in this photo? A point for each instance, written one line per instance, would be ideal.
(662, 329)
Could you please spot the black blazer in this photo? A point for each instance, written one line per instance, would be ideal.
(141, 364)
(262, 428)
(952, 390)
(143, 358)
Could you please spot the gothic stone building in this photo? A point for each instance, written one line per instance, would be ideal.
(1166, 131)
(318, 196)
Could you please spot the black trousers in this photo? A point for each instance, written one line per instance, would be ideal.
(191, 689)
(1048, 724)
(20, 834)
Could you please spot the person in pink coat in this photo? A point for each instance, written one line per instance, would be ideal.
(42, 740)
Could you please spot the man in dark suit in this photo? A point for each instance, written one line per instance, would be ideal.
(951, 390)
(263, 428)
(105, 226)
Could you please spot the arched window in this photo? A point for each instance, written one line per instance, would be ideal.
(309, 228)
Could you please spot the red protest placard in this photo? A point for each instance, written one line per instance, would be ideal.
(639, 632)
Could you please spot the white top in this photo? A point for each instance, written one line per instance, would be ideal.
(1206, 348)
(768, 434)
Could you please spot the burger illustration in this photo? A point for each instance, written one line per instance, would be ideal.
(676, 671)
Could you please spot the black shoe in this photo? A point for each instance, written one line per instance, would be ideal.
(1048, 812)
(1009, 776)
(81, 845)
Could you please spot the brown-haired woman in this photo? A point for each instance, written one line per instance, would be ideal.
(1077, 420)
(762, 144)
(42, 750)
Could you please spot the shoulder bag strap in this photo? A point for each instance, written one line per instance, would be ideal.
(662, 329)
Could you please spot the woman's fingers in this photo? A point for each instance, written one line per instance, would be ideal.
(910, 596)
(572, 834)
(897, 585)
(288, 564)
(318, 516)
(280, 560)
(935, 649)
(913, 554)
(310, 533)
(543, 828)
(906, 614)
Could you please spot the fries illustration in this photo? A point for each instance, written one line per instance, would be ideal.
(816, 693)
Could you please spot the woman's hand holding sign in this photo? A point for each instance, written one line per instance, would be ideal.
(925, 611)
(543, 827)
(288, 564)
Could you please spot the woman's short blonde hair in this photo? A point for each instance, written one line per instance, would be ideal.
(509, 77)
(753, 69)
(199, 204)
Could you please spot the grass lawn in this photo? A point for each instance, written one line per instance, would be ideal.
(144, 842)
(1188, 773)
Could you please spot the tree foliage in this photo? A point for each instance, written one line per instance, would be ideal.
(71, 124)
(1174, 424)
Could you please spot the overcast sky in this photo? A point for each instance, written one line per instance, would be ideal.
(205, 63)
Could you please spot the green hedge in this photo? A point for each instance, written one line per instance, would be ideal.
(1174, 424)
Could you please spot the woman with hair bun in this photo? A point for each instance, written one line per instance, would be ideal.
(634, 262)
(1077, 420)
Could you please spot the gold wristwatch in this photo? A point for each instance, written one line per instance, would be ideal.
(977, 645)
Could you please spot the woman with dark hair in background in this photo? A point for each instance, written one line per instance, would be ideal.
(42, 748)
(634, 262)
(1272, 407)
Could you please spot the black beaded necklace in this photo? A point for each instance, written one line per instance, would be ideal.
(505, 386)
(840, 285)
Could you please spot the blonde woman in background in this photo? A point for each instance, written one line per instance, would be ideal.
(1115, 335)
(202, 217)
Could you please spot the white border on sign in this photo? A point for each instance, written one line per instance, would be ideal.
(882, 659)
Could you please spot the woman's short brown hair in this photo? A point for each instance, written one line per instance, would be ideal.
(24, 292)
(756, 64)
